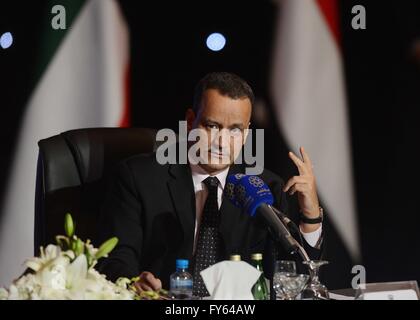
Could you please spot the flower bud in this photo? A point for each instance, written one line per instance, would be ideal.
(106, 247)
(68, 225)
(80, 246)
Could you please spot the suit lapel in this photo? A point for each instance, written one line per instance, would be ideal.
(181, 189)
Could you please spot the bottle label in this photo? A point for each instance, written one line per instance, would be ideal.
(181, 284)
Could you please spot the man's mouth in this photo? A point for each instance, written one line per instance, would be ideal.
(218, 154)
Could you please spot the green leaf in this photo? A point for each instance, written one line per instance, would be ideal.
(68, 225)
(106, 247)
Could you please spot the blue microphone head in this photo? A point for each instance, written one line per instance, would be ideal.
(249, 192)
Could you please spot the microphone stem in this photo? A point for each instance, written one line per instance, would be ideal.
(302, 252)
(297, 245)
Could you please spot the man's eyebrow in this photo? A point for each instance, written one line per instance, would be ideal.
(237, 125)
(210, 121)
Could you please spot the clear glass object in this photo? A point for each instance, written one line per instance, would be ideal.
(289, 286)
(285, 266)
(315, 289)
(282, 268)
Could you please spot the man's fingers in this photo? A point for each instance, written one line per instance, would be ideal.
(297, 187)
(305, 157)
(149, 282)
(299, 163)
(156, 284)
(292, 190)
(292, 181)
(141, 286)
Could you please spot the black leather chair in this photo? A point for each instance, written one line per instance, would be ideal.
(72, 173)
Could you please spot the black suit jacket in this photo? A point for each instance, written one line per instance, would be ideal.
(151, 209)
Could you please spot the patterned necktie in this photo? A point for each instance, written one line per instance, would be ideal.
(208, 241)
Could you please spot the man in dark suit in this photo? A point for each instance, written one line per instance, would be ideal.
(164, 212)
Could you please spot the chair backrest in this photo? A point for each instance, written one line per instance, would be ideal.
(72, 173)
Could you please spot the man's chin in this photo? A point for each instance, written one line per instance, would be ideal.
(215, 167)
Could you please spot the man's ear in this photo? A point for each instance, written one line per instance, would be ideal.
(190, 118)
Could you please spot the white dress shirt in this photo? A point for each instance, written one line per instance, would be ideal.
(201, 192)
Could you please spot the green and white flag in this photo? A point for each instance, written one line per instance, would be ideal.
(82, 82)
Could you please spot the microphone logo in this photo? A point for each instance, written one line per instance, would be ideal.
(241, 193)
(239, 176)
(257, 182)
(247, 192)
(229, 191)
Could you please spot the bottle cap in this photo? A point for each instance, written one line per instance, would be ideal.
(256, 256)
(182, 264)
(235, 257)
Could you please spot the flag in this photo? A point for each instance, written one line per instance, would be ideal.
(83, 83)
(307, 88)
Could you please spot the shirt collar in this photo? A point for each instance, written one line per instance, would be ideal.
(199, 175)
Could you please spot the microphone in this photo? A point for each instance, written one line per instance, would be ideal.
(253, 196)
(264, 196)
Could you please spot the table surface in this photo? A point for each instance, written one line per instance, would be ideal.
(350, 292)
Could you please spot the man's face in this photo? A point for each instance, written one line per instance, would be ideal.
(224, 122)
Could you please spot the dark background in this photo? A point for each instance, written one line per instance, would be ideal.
(169, 55)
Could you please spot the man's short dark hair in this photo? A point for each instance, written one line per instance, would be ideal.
(228, 84)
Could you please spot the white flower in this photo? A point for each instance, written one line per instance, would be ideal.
(58, 278)
(54, 273)
(76, 273)
(47, 255)
(69, 274)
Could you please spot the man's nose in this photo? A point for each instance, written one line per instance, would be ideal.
(223, 139)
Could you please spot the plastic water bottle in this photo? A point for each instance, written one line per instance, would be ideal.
(181, 281)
